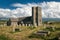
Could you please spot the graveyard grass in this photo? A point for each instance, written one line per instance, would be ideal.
(24, 32)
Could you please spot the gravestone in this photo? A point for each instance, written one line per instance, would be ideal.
(43, 33)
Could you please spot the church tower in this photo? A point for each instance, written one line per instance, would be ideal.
(36, 16)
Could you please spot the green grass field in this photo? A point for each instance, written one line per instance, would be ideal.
(25, 32)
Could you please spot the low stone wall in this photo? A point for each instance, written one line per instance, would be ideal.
(24, 25)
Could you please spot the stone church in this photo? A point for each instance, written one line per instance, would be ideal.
(34, 20)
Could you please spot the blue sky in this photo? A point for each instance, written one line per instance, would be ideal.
(7, 3)
(22, 8)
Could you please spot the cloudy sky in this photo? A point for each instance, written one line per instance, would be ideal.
(22, 8)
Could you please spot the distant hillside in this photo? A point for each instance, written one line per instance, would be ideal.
(43, 19)
(51, 19)
(4, 18)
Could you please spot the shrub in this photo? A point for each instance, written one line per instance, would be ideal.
(31, 27)
(50, 28)
(3, 37)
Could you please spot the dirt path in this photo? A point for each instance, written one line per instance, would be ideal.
(24, 34)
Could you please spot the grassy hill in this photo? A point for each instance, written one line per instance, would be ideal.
(6, 33)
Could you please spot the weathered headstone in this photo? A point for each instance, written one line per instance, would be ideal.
(23, 25)
(29, 24)
(26, 25)
(43, 33)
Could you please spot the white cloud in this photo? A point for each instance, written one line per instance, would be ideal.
(49, 10)
(25, 5)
